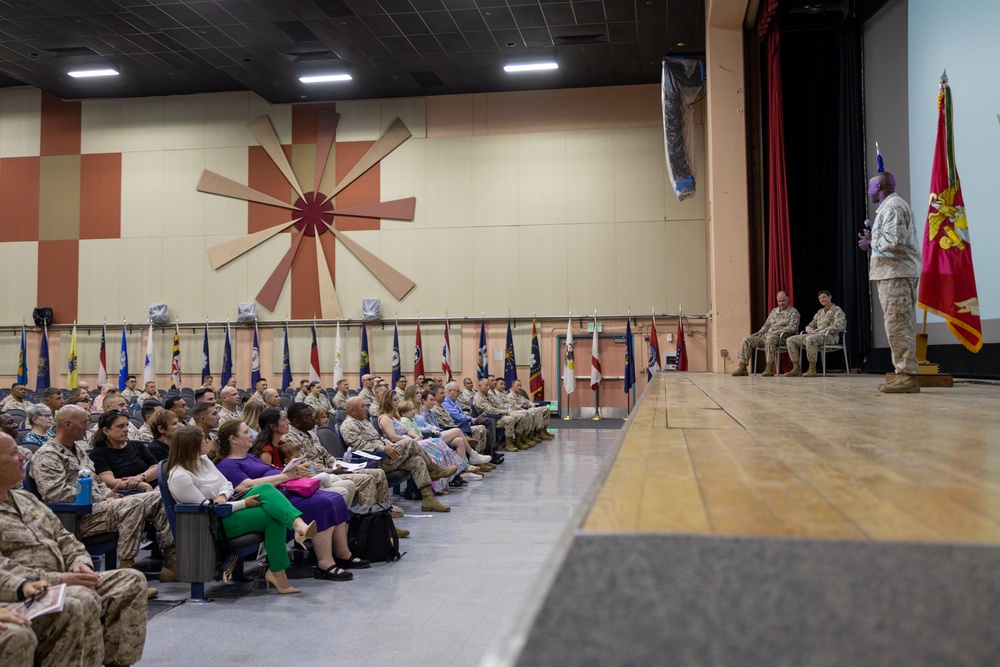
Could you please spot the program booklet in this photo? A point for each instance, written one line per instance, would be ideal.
(50, 603)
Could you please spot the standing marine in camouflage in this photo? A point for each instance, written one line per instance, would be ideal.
(782, 321)
(825, 328)
(895, 268)
(103, 621)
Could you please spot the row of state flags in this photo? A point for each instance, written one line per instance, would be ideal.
(536, 382)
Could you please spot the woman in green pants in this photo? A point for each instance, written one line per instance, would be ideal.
(193, 478)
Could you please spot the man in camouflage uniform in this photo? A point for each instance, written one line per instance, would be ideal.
(300, 432)
(824, 328)
(540, 413)
(149, 393)
(782, 321)
(36, 547)
(466, 394)
(54, 468)
(404, 454)
(380, 388)
(367, 392)
(514, 425)
(895, 268)
(130, 393)
(230, 398)
(532, 419)
(147, 411)
(339, 400)
(302, 393)
(15, 400)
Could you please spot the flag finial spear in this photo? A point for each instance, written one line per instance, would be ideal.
(944, 77)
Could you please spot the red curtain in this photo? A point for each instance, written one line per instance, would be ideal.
(779, 250)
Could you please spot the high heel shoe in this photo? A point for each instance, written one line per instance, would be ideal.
(310, 532)
(269, 578)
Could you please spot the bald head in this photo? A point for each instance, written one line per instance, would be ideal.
(881, 186)
(355, 407)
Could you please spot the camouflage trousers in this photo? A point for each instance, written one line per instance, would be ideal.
(813, 344)
(75, 635)
(412, 458)
(769, 343)
(128, 516)
(899, 298)
(372, 487)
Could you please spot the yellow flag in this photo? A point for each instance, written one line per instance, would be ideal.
(74, 380)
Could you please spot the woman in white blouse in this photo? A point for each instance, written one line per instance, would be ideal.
(193, 478)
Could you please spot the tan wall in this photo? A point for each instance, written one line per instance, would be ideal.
(547, 202)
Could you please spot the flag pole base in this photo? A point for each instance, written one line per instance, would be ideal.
(597, 417)
(567, 417)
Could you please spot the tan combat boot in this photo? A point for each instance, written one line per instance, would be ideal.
(510, 447)
(903, 384)
(768, 371)
(741, 371)
(168, 571)
(796, 371)
(437, 472)
(430, 503)
(811, 373)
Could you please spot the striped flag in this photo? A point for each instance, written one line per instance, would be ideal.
(418, 354)
(446, 354)
(148, 368)
(123, 361)
(42, 381)
(102, 359)
(396, 368)
(595, 361)
(175, 359)
(537, 382)
(682, 353)
(74, 372)
(313, 358)
(22, 359)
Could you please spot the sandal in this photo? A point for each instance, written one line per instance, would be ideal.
(329, 575)
(352, 563)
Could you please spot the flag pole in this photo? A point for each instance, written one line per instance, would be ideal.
(628, 394)
(566, 416)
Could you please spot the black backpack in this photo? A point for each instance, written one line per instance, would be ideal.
(371, 534)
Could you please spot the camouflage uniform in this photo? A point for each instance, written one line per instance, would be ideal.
(145, 435)
(320, 401)
(339, 401)
(361, 435)
(829, 322)
(465, 399)
(11, 403)
(446, 422)
(513, 424)
(54, 468)
(35, 546)
(143, 397)
(132, 396)
(539, 413)
(367, 395)
(300, 397)
(895, 268)
(226, 415)
(778, 322)
(370, 486)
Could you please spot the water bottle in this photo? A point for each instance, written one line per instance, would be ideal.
(84, 488)
(348, 456)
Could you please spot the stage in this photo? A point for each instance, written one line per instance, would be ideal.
(785, 521)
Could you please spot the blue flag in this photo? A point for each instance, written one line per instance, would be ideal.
(42, 382)
(227, 360)
(629, 357)
(509, 365)
(123, 362)
(205, 364)
(286, 363)
(22, 361)
(254, 359)
(365, 363)
(396, 370)
(483, 365)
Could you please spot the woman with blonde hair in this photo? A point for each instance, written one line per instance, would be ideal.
(394, 429)
(251, 415)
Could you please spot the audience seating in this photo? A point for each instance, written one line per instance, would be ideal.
(782, 347)
(333, 443)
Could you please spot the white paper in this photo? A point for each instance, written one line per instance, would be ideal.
(367, 455)
(351, 467)
(49, 603)
(294, 463)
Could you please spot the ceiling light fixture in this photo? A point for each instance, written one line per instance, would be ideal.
(322, 78)
(530, 67)
(84, 73)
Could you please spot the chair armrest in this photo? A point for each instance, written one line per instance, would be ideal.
(70, 508)
(222, 510)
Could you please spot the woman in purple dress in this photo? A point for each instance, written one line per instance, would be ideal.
(244, 471)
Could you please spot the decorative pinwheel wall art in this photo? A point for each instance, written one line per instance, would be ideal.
(314, 212)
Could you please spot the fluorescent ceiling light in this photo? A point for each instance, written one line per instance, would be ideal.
(321, 78)
(80, 74)
(530, 67)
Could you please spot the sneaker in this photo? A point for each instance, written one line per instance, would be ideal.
(478, 459)
(472, 477)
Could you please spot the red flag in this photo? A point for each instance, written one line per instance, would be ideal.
(682, 353)
(418, 355)
(947, 281)
(537, 383)
(446, 354)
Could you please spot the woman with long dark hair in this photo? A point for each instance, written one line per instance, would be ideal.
(122, 464)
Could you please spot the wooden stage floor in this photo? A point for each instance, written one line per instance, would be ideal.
(809, 458)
